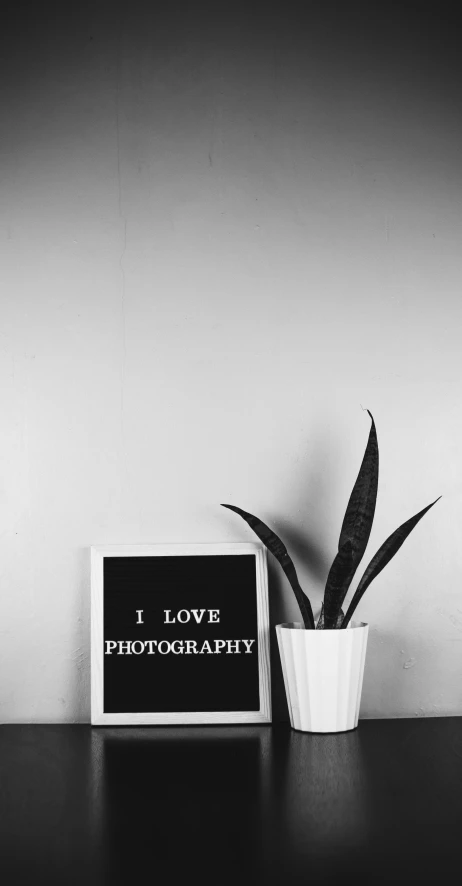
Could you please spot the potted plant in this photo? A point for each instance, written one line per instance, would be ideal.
(323, 661)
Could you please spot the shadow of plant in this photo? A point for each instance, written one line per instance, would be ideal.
(308, 552)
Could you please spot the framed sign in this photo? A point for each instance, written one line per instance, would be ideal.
(179, 634)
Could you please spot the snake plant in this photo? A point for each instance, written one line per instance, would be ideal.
(354, 536)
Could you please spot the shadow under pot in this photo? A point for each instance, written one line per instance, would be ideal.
(323, 675)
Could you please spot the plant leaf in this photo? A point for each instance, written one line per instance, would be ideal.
(320, 622)
(339, 577)
(278, 549)
(359, 515)
(383, 556)
(355, 531)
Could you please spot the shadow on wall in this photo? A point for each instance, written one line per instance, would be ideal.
(282, 608)
(394, 675)
(278, 612)
(318, 476)
(383, 660)
(305, 550)
(78, 700)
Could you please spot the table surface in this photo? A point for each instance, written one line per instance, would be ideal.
(234, 804)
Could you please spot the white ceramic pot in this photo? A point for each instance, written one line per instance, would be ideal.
(323, 675)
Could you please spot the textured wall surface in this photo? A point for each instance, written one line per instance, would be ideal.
(224, 233)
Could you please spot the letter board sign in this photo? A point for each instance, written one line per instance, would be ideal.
(180, 634)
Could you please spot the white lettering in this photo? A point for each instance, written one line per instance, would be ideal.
(140, 613)
(184, 615)
(178, 643)
(231, 643)
(178, 647)
(248, 644)
(206, 648)
(151, 644)
(127, 644)
(191, 647)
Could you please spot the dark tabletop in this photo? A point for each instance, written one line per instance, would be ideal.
(237, 804)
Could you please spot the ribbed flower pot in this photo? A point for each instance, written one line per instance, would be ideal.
(323, 675)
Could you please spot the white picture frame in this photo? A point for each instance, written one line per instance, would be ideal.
(101, 718)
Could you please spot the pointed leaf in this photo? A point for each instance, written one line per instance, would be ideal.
(339, 576)
(320, 623)
(383, 556)
(359, 515)
(278, 549)
(355, 531)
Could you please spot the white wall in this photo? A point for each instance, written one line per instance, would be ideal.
(220, 238)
